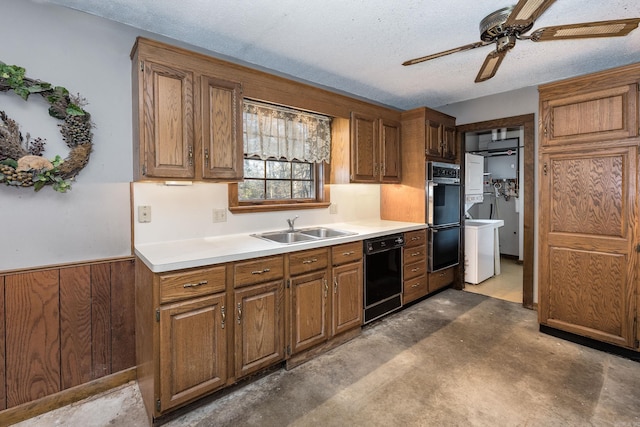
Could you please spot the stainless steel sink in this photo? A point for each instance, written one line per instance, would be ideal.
(323, 233)
(285, 237)
(304, 235)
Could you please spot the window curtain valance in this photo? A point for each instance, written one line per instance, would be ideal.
(279, 132)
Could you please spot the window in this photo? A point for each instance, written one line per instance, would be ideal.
(277, 180)
(285, 154)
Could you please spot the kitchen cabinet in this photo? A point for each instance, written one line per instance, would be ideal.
(181, 335)
(415, 266)
(348, 287)
(193, 349)
(258, 301)
(189, 123)
(324, 307)
(588, 214)
(440, 138)
(440, 279)
(309, 294)
(375, 150)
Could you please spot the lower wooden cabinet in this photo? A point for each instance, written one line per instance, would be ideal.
(347, 297)
(323, 307)
(414, 257)
(440, 279)
(259, 327)
(193, 349)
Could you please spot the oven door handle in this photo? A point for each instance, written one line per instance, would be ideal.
(430, 186)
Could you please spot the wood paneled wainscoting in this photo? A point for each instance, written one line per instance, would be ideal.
(66, 332)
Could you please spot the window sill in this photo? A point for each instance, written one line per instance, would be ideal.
(277, 207)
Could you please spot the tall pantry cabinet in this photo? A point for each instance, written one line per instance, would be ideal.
(588, 220)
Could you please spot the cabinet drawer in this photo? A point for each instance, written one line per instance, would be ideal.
(414, 254)
(182, 285)
(440, 279)
(258, 271)
(414, 289)
(349, 252)
(415, 238)
(305, 261)
(414, 269)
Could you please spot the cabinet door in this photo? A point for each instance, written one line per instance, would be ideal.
(168, 122)
(364, 148)
(588, 216)
(193, 349)
(309, 310)
(597, 116)
(259, 333)
(348, 287)
(433, 139)
(390, 151)
(449, 143)
(222, 145)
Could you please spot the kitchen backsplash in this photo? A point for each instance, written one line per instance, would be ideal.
(186, 212)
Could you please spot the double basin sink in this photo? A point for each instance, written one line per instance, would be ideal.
(302, 235)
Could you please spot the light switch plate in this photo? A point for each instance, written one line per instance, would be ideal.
(144, 214)
(219, 215)
(333, 209)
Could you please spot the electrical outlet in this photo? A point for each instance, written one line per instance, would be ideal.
(219, 215)
(333, 209)
(144, 214)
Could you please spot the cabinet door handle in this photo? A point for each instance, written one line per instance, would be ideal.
(223, 315)
(326, 287)
(239, 312)
(309, 261)
(335, 285)
(206, 157)
(193, 285)
(191, 155)
(264, 270)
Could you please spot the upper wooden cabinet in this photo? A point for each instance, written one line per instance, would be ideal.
(599, 115)
(187, 123)
(440, 138)
(374, 149)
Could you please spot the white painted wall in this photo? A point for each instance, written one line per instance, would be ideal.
(187, 212)
(90, 56)
(508, 104)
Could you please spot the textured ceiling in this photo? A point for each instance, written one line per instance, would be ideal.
(358, 46)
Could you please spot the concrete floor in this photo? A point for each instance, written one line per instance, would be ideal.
(455, 359)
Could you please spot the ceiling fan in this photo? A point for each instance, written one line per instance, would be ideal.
(503, 27)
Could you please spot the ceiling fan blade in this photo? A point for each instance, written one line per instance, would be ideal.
(527, 11)
(446, 52)
(615, 28)
(490, 65)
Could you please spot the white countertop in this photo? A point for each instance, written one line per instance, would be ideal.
(179, 254)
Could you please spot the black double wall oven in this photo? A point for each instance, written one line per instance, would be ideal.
(443, 215)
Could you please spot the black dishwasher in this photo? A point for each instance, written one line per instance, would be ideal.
(382, 276)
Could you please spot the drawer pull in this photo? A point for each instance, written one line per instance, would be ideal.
(348, 253)
(193, 285)
(264, 270)
(415, 269)
(309, 261)
(415, 238)
(415, 285)
(416, 254)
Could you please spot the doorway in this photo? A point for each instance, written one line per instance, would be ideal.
(526, 188)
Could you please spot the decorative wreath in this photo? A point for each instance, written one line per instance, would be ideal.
(21, 161)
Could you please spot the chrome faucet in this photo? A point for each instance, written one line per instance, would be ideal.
(291, 221)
